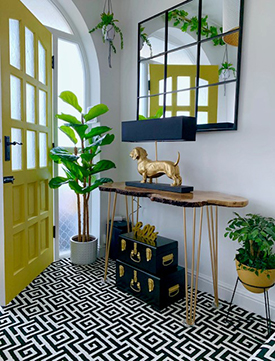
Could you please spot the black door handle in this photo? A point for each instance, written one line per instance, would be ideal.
(7, 147)
(8, 179)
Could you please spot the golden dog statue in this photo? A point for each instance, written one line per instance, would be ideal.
(153, 169)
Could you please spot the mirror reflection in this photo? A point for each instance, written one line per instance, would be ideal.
(184, 71)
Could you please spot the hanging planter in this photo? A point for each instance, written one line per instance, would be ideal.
(109, 28)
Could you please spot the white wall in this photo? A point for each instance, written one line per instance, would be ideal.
(239, 163)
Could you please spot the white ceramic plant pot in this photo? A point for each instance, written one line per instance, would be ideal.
(83, 252)
(108, 32)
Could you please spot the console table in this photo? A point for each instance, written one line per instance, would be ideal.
(194, 200)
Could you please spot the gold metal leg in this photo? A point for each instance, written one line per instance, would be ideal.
(109, 233)
(137, 207)
(191, 301)
(132, 212)
(127, 214)
(213, 245)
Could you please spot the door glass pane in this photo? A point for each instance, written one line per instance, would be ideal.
(183, 98)
(15, 94)
(41, 63)
(42, 150)
(16, 150)
(67, 215)
(203, 97)
(30, 103)
(169, 88)
(69, 80)
(29, 52)
(30, 149)
(202, 118)
(14, 32)
(42, 108)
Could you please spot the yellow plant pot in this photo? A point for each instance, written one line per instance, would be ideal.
(250, 278)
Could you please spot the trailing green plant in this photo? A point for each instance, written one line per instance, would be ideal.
(158, 115)
(108, 19)
(227, 66)
(145, 39)
(180, 18)
(79, 166)
(256, 234)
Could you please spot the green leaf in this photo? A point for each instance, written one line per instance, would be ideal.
(79, 128)
(159, 113)
(96, 184)
(107, 139)
(97, 131)
(59, 154)
(87, 156)
(70, 98)
(141, 117)
(69, 132)
(75, 187)
(68, 118)
(57, 182)
(76, 170)
(103, 165)
(96, 111)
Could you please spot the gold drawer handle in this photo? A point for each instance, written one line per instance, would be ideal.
(151, 284)
(121, 271)
(167, 260)
(148, 254)
(174, 291)
(136, 254)
(123, 245)
(134, 284)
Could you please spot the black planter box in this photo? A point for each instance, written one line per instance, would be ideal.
(170, 130)
(156, 291)
(158, 258)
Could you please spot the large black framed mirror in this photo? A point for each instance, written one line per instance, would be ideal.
(189, 60)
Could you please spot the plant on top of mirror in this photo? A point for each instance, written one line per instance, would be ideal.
(225, 69)
(144, 39)
(109, 28)
(180, 18)
(158, 115)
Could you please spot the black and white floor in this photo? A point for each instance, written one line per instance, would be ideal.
(68, 313)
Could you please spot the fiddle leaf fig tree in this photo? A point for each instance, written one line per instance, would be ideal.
(81, 170)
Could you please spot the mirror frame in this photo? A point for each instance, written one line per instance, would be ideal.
(200, 127)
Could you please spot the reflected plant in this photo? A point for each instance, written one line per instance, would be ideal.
(158, 115)
(145, 39)
(227, 67)
(180, 18)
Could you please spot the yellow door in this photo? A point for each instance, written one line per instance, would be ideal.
(26, 74)
(183, 102)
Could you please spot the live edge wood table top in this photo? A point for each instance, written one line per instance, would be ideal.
(210, 201)
(190, 200)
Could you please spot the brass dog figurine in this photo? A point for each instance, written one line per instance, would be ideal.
(154, 169)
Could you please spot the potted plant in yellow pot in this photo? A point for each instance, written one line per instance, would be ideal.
(255, 260)
(81, 170)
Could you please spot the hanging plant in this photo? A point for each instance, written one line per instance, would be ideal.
(109, 28)
(180, 18)
(225, 70)
(144, 39)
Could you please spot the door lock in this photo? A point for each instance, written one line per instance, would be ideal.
(8, 143)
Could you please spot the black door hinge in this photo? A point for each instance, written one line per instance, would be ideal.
(53, 62)
(149, 85)
(53, 231)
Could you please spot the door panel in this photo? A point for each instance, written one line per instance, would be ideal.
(26, 113)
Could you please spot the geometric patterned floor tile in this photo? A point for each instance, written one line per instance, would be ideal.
(68, 313)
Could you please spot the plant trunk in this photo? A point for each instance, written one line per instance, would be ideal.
(84, 219)
(79, 217)
(251, 248)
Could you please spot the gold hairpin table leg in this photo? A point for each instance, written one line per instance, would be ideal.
(191, 300)
(132, 212)
(137, 208)
(213, 245)
(109, 232)
(127, 214)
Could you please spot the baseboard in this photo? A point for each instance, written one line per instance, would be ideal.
(243, 298)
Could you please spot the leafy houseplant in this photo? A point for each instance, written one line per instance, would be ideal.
(106, 24)
(256, 234)
(79, 166)
(144, 39)
(225, 70)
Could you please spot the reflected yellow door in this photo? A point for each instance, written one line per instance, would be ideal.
(26, 83)
(184, 102)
